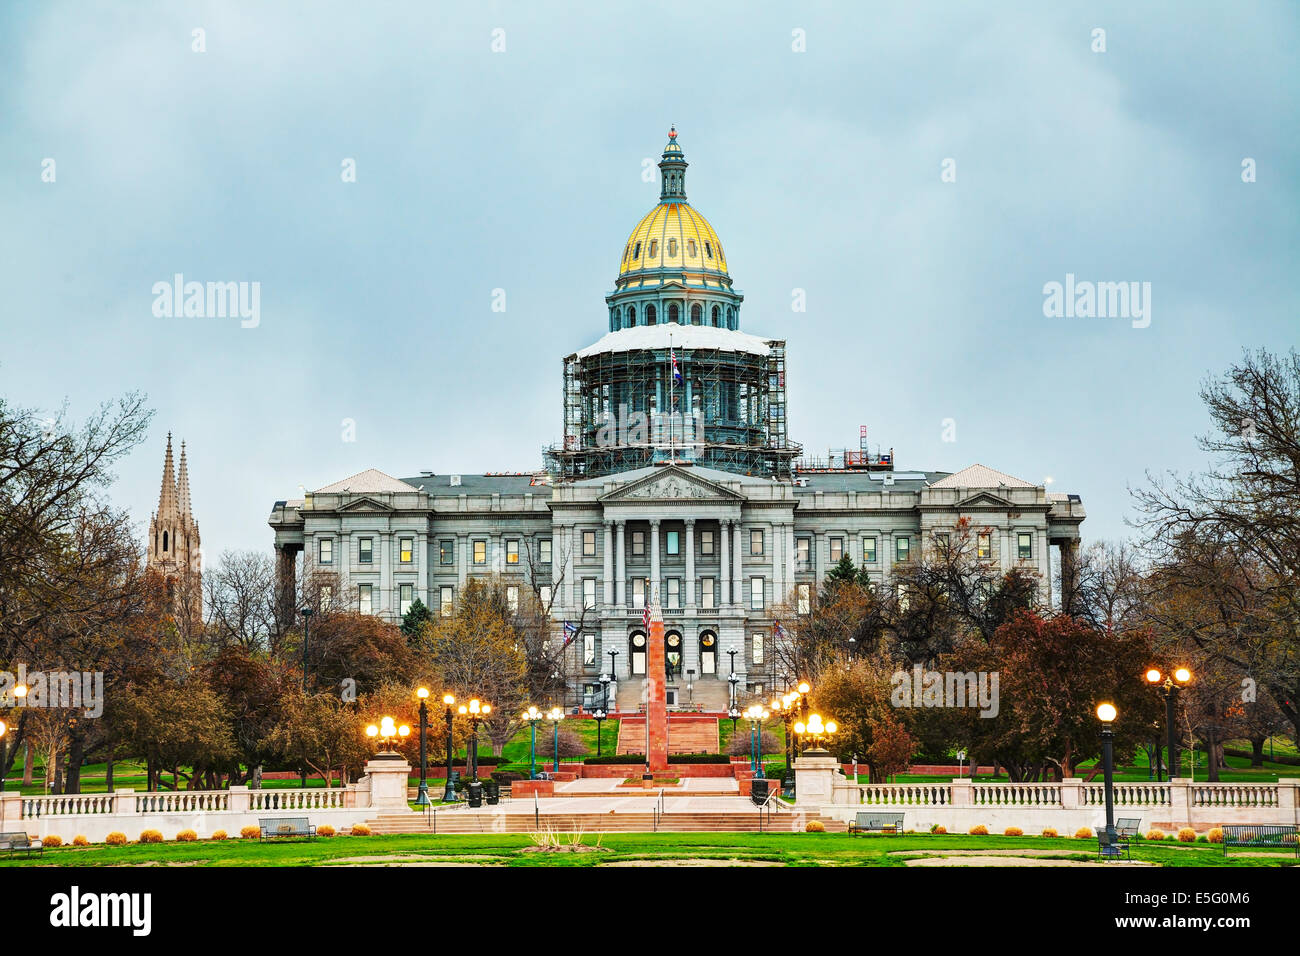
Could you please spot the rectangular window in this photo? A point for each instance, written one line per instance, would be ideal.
(405, 596)
(544, 595)
(325, 550)
(756, 594)
(1024, 545)
(706, 542)
(588, 544)
(674, 593)
(984, 545)
(405, 550)
(588, 592)
(902, 549)
(837, 549)
(708, 593)
(544, 550)
(638, 543)
(672, 546)
(480, 552)
(757, 647)
(803, 599)
(363, 599)
(512, 598)
(366, 550)
(756, 541)
(942, 541)
(638, 592)
(326, 597)
(446, 551)
(445, 600)
(512, 550)
(869, 550)
(589, 650)
(903, 600)
(803, 551)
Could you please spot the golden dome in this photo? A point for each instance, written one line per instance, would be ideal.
(673, 235)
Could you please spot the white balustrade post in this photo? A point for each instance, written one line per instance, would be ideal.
(1072, 793)
(1180, 802)
(1288, 797)
(124, 802)
(241, 800)
(11, 811)
(962, 793)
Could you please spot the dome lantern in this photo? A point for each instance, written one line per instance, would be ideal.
(672, 171)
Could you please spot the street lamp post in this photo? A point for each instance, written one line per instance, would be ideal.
(555, 716)
(306, 630)
(1169, 686)
(4, 753)
(532, 715)
(817, 731)
(387, 732)
(690, 685)
(1106, 714)
(605, 680)
(475, 711)
(449, 791)
(422, 797)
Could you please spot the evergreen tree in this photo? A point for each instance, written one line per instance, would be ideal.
(415, 618)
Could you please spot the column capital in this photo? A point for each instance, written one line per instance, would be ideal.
(690, 522)
(654, 522)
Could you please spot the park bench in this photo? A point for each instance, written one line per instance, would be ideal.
(877, 822)
(277, 827)
(1104, 839)
(19, 841)
(1271, 837)
(1127, 827)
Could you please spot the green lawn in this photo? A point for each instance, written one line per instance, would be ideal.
(789, 849)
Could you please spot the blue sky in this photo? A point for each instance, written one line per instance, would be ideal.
(521, 170)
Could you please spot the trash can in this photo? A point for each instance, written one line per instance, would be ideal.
(475, 793)
(758, 793)
(492, 790)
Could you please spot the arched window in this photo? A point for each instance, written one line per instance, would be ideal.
(613, 320)
(716, 316)
(631, 316)
(673, 313)
(731, 317)
(651, 317)
(708, 652)
(654, 248)
(637, 253)
(697, 314)
(708, 250)
(672, 248)
(164, 540)
(690, 248)
(637, 653)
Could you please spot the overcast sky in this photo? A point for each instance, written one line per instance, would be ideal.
(521, 170)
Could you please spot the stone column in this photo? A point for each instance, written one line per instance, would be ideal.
(385, 605)
(656, 705)
(778, 565)
(789, 556)
(724, 535)
(690, 563)
(423, 579)
(737, 570)
(388, 783)
(1044, 567)
(608, 589)
(463, 558)
(886, 556)
(620, 568)
(570, 586)
(286, 569)
(818, 569)
(814, 779)
(653, 596)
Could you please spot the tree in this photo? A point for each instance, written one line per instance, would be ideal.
(891, 748)
(416, 616)
(855, 693)
(177, 725)
(322, 733)
(351, 650)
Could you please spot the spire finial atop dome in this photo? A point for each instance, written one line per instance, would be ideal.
(673, 170)
(672, 132)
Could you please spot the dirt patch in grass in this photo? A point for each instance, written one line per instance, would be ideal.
(989, 859)
(691, 861)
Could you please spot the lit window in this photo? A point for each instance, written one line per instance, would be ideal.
(672, 545)
(902, 549)
(480, 552)
(446, 551)
(674, 592)
(512, 598)
(803, 598)
(512, 551)
(363, 598)
(756, 594)
(756, 542)
(445, 600)
(544, 550)
(708, 593)
(1024, 545)
(983, 545)
(706, 542)
(588, 592)
(757, 642)
(837, 549)
(588, 544)
(869, 550)
(638, 543)
(405, 596)
(326, 550)
(406, 550)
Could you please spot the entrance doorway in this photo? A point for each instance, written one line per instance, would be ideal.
(637, 652)
(708, 653)
(673, 654)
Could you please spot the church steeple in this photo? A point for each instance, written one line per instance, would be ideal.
(183, 488)
(173, 547)
(167, 496)
(672, 171)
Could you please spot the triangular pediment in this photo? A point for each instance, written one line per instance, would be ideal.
(671, 484)
(984, 501)
(364, 504)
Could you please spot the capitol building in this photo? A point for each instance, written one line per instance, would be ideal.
(675, 480)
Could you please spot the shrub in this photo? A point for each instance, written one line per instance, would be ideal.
(80, 840)
(1050, 832)
(571, 745)
(979, 829)
(218, 835)
(250, 833)
(151, 836)
(186, 836)
(814, 826)
(692, 758)
(1155, 834)
(116, 838)
(1186, 835)
(360, 829)
(503, 777)
(1082, 833)
(1013, 831)
(938, 828)
(325, 830)
(52, 840)
(739, 744)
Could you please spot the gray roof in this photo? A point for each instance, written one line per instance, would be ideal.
(863, 481)
(470, 484)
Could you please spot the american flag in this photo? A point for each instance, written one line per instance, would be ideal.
(645, 615)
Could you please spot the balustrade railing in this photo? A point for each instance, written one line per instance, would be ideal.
(67, 805)
(1233, 795)
(1127, 795)
(907, 794)
(311, 798)
(1016, 795)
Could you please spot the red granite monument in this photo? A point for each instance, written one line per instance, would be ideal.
(656, 705)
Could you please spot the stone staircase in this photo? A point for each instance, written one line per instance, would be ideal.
(710, 694)
(687, 734)
(465, 820)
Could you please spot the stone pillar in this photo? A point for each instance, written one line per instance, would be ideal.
(819, 570)
(690, 563)
(724, 534)
(1288, 797)
(11, 811)
(570, 538)
(961, 792)
(123, 801)
(1071, 793)
(286, 569)
(608, 589)
(423, 579)
(737, 569)
(1044, 567)
(1180, 802)
(463, 558)
(656, 708)
(385, 606)
(789, 556)
(620, 568)
(388, 783)
(241, 799)
(653, 596)
(886, 556)
(814, 780)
